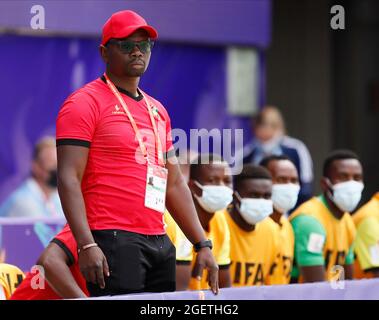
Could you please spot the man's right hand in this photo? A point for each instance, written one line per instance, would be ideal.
(93, 265)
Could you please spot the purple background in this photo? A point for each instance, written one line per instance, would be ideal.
(202, 21)
(23, 239)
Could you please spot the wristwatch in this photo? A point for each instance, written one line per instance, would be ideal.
(203, 244)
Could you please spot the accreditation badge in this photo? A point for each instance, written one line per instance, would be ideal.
(156, 184)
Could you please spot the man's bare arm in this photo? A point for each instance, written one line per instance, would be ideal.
(349, 271)
(224, 278)
(72, 161)
(313, 273)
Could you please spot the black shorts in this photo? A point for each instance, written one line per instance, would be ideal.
(137, 263)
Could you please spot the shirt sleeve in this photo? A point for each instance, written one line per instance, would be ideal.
(309, 241)
(350, 256)
(366, 245)
(66, 241)
(182, 245)
(77, 120)
(170, 227)
(184, 248)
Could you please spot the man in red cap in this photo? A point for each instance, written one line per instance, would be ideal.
(117, 172)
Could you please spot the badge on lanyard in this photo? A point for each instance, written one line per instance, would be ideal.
(156, 183)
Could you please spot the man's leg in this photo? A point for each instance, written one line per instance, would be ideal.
(126, 263)
(161, 277)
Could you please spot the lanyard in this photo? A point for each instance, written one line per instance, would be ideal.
(134, 125)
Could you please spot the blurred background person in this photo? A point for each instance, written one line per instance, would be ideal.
(269, 138)
(253, 235)
(324, 229)
(38, 195)
(285, 191)
(366, 245)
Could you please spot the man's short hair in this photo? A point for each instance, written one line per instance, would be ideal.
(266, 161)
(340, 154)
(250, 171)
(201, 160)
(42, 143)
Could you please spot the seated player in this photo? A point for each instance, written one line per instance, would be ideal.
(10, 279)
(366, 245)
(211, 187)
(254, 236)
(62, 278)
(285, 191)
(183, 252)
(324, 229)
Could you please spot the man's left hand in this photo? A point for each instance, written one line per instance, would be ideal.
(205, 259)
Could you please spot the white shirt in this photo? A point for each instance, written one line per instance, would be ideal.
(29, 200)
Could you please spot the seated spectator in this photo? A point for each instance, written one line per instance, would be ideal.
(183, 252)
(285, 191)
(63, 278)
(269, 138)
(366, 244)
(211, 186)
(38, 195)
(324, 229)
(10, 278)
(253, 235)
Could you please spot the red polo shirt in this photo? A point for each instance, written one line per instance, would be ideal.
(66, 241)
(114, 180)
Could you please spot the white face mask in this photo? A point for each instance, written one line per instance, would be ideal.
(284, 196)
(346, 195)
(254, 210)
(214, 198)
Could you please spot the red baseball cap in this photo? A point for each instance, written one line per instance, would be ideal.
(123, 23)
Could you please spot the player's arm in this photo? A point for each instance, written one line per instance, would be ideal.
(309, 243)
(373, 271)
(313, 273)
(349, 271)
(183, 275)
(180, 205)
(72, 160)
(56, 263)
(224, 276)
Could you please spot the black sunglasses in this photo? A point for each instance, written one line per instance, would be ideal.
(127, 46)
